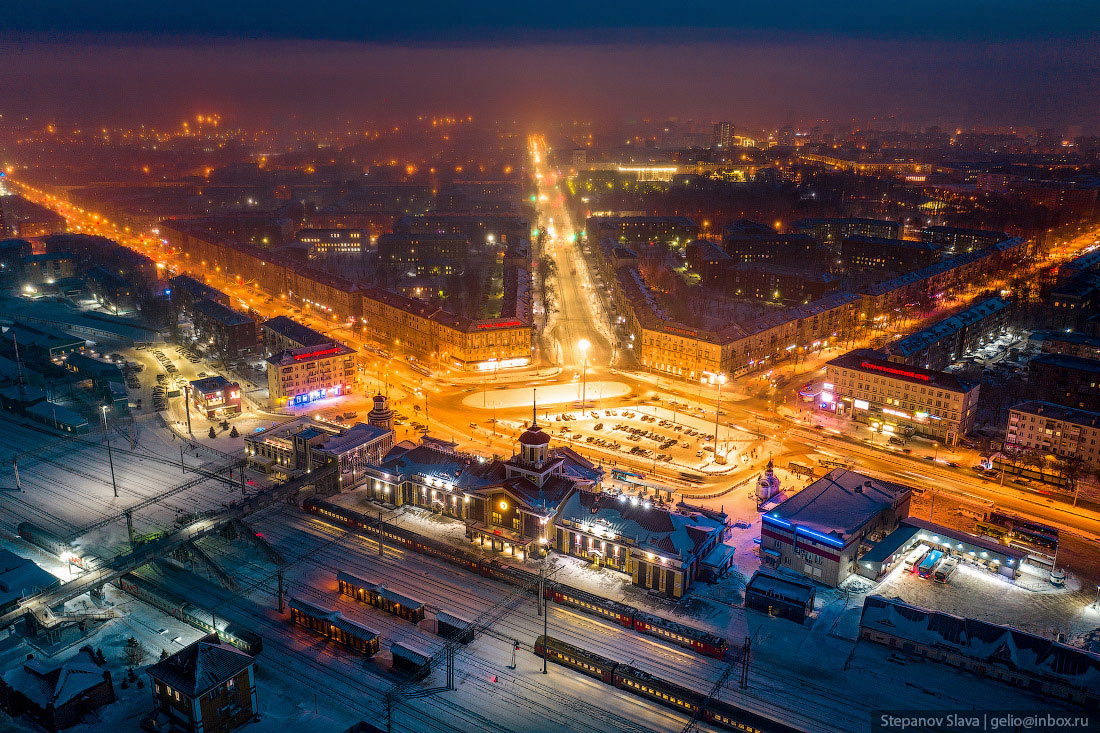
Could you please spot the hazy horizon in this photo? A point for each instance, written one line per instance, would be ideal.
(759, 79)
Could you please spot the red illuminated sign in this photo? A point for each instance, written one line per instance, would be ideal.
(503, 324)
(319, 352)
(895, 371)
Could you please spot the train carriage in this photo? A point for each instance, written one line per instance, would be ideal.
(155, 595)
(506, 573)
(701, 641)
(410, 660)
(450, 626)
(725, 715)
(646, 685)
(565, 595)
(568, 655)
(333, 625)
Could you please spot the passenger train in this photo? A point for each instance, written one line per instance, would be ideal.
(625, 615)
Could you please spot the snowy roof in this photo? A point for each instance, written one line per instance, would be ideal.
(1051, 411)
(380, 588)
(989, 643)
(654, 529)
(56, 686)
(335, 618)
(773, 585)
(357, 435)
(20, 577)
(839, 503)
(958, 535)
(201, 666)
(295, 331)
(868, 361)
(411, 652)
(944, 328)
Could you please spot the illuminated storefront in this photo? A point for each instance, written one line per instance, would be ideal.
(312, 373)
(898, 399)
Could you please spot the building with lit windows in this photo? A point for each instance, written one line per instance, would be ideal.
(216, 397)
(900, 399)
(228, 332)
(676, 231)
(300, 445)
(281, 333)
(300, 376)
(662, 549)
(508, 506)
(325, 242)
(1067, 433)
(821, 531)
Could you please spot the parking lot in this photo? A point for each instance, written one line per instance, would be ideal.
(656, 434)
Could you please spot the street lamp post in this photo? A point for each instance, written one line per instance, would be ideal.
(583, 344)
(721, 379)
(110, 457)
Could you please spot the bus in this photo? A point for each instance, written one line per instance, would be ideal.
(619, 474)
(929, 563)
(945, 569)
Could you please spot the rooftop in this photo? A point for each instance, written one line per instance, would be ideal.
(222, 314)
(296, 332)
(200, 667)
(839, 503)
(1051, 411)
(55, 686)
(868, 361)
(922, 339)
(212, 384)
(652, 528)
(1067, 361)
(329, 350)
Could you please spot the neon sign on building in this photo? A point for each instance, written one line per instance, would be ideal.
(895, 371)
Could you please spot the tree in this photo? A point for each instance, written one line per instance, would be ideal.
(212, 434)
(234, 433)
(134, 652)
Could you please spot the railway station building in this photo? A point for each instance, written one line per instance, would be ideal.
(508, 506)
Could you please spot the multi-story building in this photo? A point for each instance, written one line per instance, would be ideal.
(832, 232)
(821, 531)
(326, 242)
(216, 397)
(206, 686)
(896, 398)
(48, 268)
(955, 240)
(1065, 432)
(304, 443)
(723, 134)
(230, 333)
(860, 253)
(1084, 345)
(1066, 380)
(311, 373)
(281, 333)
(424, 254)
(758, 243)
(674, 231)
(945, 342)
(438, 337)
(185, 291)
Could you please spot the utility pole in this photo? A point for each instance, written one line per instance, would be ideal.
(130, 527)
(745, 652)
(110, 457)
(279, 576)
(381, 535)
(183, 466)
(18, 484)
(187, 404)
(545, 615)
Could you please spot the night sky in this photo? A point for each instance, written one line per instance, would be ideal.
(758, 62)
